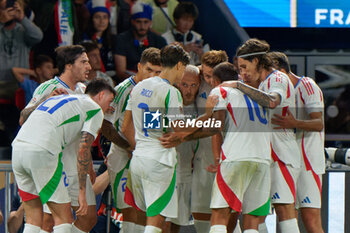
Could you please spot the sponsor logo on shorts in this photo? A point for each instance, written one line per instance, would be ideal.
(306, 200)
(275, 196)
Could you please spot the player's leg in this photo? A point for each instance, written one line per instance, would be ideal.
(256, 198)
(312, 219)
(283, 186)
(34, 214)
(48, 222)
(62, 216)
(219, 220)
(233, 224)
(85, 223)
(309, 200)
(118, 163)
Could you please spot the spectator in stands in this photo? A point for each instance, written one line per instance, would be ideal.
(65, 32)
(43, 71)
(184, 15)
(162, 14)
(94, 56)
(17, 35)
(129, 45)
(99, 31)
(123, 18)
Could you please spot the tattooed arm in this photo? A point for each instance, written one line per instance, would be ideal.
(83, 165)
(25, 113)
(269, 100)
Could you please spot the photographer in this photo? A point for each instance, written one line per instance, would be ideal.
(184, 15)
(17, 35)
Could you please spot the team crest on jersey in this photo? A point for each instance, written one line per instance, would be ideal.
(152, 120)
(203, 95)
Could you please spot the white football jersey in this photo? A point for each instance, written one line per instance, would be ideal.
(119, 103)
(154, 104)
(283, 141)
(246, 128)
(309, 98)
(186, 151)
(59, 121)
(45, 89)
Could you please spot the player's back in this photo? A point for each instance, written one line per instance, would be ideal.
(309, 99)
(152, 102)
(59, 120)
(246, 129)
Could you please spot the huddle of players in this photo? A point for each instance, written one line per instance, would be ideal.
(243, 178)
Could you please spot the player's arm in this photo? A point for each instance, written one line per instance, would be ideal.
(128, 129)
(84, 166)
(111, 134)
(315, 123)
(25, 113)
(269, 100)
(216, 142)
(173, 139)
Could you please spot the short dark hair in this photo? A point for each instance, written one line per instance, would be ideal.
(67, 55)
(89, 46)
(225, 71)
(151, 55)
(40, 59)
(256, 46)
(214, 57)
(186, 9)
(96, 86)
(280, 61)
(171, 54)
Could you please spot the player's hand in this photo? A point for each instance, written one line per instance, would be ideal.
(58, 91)
(212, 168)
(284, 122)
(83, 206)
(110, 110)
(173, 139)
(191, 47)
(210, 104)
(232, 84)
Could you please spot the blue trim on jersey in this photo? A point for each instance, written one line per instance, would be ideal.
(165, 80)
(268, 76)
(63, 83)
(131, 79)
(298, 82)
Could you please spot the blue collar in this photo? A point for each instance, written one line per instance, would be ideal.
(299, 82)
(63, 83)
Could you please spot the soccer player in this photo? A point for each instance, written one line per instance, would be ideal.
(188, 87)
(151, 179)
(37, 153)
(202, 179)
(308, 122)
(118, 158)
(242, 183)
(275, 92)
(73, 66)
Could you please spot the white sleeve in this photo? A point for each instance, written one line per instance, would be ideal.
(41, 92)
(314, 101)
(93, 121)
(222, 93)
(279, 84)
